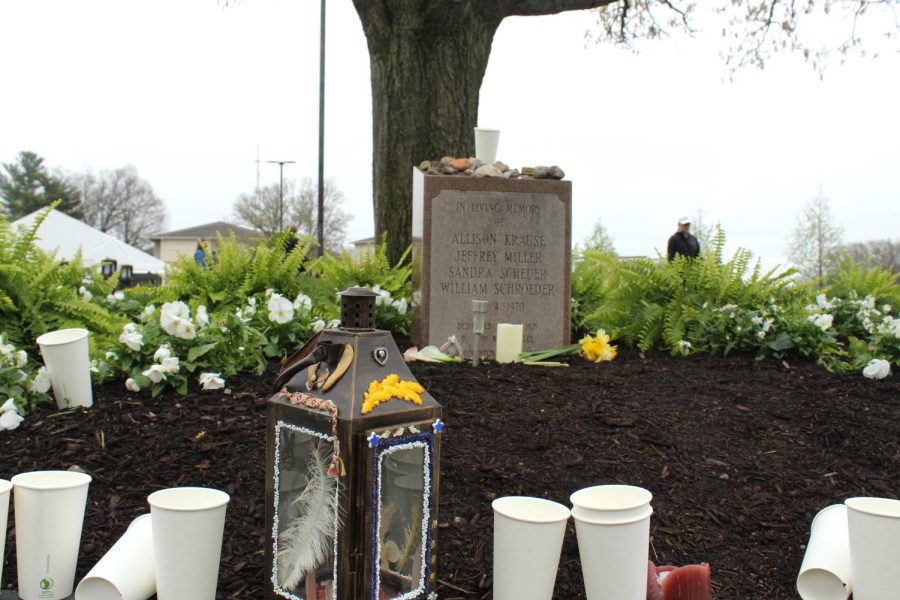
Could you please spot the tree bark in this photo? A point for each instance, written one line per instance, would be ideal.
(428, 59)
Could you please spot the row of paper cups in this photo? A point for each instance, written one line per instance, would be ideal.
(853, 547)
(612, 523)
(172, 552)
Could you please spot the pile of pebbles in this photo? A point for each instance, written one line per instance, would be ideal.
(473, 167)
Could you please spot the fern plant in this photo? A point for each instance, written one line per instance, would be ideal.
(39, 293)
(852, 279)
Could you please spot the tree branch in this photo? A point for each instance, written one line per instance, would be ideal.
(530, 8)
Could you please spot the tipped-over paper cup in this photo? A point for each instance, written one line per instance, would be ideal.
(68, 363)
(486, 141)
(126, 571)
(825, 573)
(188, 524)
(528, 536)
(874, 528)
(5, 487)
(49, 515)
(612, 523)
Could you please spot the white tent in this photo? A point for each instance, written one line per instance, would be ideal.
(66, 235)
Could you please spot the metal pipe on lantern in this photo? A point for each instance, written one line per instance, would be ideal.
(479, 309)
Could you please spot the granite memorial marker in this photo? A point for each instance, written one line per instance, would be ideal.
(506, 241)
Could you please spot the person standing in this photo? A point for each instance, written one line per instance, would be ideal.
(200, 254)
(683, 242)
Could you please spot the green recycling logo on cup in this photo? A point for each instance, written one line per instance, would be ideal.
(46, 583)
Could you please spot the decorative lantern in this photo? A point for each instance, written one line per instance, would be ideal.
(125, 275)
(352, 468)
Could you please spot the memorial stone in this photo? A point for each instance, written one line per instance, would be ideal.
(506, 241)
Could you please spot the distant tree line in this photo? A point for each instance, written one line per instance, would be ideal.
(117, 201)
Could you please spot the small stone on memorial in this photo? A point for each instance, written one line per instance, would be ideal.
(487, 171)
(445, 160)
(448, 170)
(434, 171)
(555, 172)
(501, 166)
(460, 164)
(541, 173)
(425, 165)
(475, 162)
(527, 171)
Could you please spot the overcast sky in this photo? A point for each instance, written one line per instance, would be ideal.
(187, 91)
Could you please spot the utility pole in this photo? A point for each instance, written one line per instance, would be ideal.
(281, 164)
(321, 221)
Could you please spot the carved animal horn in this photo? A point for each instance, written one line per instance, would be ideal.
(322, 378)
(341, 368)
(311, 376)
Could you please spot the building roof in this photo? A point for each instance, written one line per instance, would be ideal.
(208, 230)
(66, 236)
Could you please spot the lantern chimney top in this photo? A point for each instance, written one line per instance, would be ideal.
(358, 309)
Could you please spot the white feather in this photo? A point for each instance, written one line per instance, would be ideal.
(306, 543)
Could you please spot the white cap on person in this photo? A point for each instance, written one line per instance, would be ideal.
(684, 221)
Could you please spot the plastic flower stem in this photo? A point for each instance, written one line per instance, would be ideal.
(539, 355)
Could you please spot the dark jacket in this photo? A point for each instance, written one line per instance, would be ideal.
(684, 244)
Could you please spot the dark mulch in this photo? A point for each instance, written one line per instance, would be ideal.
(739, 455)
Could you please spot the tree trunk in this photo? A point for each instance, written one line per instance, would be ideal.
(428, 58)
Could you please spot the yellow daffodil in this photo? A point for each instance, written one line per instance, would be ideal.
(388, 388)
(596, 348)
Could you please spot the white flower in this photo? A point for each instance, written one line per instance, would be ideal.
(184, 329)
(41, 381)
(417, 298)
(21, 358)
(334, 323)
(756, 320)
(110, 355)
(211, 381)
(302, 301)
(281, 310)
(87, 280)
(96, 365)
(147, 312)
(170, 364)
(129, 328)
(85, 293)
(822, 302)
(120, 295)
(401, 305)
(823, 322)
(163, 352)
(767, 324)
(6, 351)
(10, 420)
(172, 311)
(878, 368)
(155, 373)
(133, 340)
(684, 347)
(318, 325)
(890, 326)
(383, 298)
(202, 316)
(22, 376)
(131, 385)
(9, 405)
(251, 301)
(886, 309)
(761, 334)
(868, 302)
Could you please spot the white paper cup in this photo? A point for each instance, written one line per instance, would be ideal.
(509, 342)
(188, 523)
(825, 573)
(5, 487)
(49, 515)
(486, 141)
(68, 363)
(612, 523)
(874, 528)
(528, 536)
(126, 571)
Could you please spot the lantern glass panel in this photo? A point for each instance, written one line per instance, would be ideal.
(306, 514)
(403, 516)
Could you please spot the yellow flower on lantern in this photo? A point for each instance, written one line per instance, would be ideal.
(388, 388)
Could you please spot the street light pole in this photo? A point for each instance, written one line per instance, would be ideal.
(320, 229)
(281, 164)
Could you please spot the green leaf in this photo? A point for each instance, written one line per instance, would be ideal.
(183, 387)
(198, 351)
(157, 389)
(142, 380)
(782, 342)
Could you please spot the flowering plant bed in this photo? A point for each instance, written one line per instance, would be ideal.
(739, 454)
